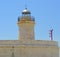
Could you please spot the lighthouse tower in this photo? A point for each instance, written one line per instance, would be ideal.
(26, 25)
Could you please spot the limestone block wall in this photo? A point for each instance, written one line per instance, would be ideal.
(26, 32)
(38, 52)
(28, 42)
(29, 51)
(33, 48)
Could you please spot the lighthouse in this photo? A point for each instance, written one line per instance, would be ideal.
(26, 26)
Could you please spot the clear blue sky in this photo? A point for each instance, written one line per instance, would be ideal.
(46, 13)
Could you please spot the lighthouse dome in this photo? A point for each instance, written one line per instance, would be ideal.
(26, 11)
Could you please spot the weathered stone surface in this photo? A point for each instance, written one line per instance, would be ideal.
(28, 48)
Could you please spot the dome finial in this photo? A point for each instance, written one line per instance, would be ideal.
(26, 11)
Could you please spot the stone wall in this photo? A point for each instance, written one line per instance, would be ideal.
(40, 48)
(29, 51)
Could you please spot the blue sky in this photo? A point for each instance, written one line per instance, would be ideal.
(46, 13)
